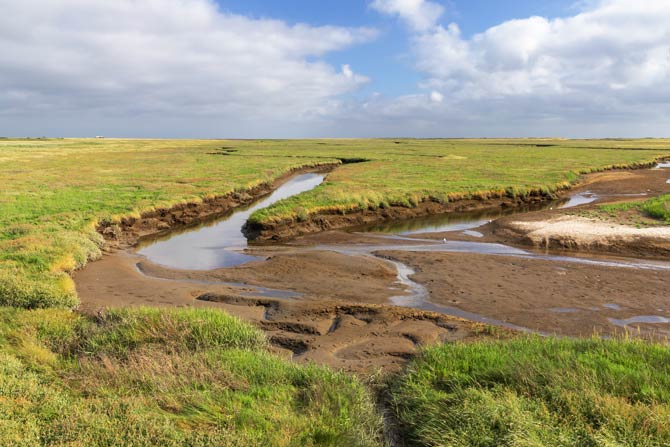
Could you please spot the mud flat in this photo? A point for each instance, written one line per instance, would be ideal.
(325, 296)
(332, 316)
(570, 230)
(551, 297)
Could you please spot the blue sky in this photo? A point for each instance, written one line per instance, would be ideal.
(386, 59)
(327, 68)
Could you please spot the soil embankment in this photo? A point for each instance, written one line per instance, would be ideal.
(586, 229)
(129, 231)
(289, 229)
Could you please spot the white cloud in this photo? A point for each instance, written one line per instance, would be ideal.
(606, 67)
(619, 48)
(168, 58)
(436, 96)
(418, 14)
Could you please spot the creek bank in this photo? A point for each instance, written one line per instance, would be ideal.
(578, 230)
(291, 228)
(323, 221)
(129, 231)
(576, 233)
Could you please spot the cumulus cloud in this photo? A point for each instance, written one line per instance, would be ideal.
(436, 96)
(608, 65)
(418, 14)
(171, 58)
(347, 71)
(619, 47)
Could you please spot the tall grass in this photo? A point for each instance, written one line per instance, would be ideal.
(537, 392)
(148, 377)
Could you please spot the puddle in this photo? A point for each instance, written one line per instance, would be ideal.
(219, 244)
(612, 306)
(253, 291)
(473, 233)
(663, 165)
(642, 319)
(580, 199)
(564, 310)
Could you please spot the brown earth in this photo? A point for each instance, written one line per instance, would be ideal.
(342, 319)
(130, 230)
(586, 228)
(336, 322)
(565, 298)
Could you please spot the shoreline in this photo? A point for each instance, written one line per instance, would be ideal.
(127, 232)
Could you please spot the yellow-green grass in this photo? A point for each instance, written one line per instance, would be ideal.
(536, 391)
(56, 191)
(161, 377)
(409, 172)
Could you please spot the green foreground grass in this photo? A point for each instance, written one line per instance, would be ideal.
(56, 191)
(197, 377)
(159, 377)
(537, 392)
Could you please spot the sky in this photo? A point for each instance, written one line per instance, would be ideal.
(335, 68)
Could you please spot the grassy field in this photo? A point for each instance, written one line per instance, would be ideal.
(537, 392)
(58, 190)
(200, 377)
(150, 377)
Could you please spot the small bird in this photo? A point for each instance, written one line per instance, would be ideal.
(444, 241)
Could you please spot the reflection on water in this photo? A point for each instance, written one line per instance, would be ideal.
(454, 221)
(219, 244)
(418, 299)
(580, 199)
(649, 319)
(469, 220)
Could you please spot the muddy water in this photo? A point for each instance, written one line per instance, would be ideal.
(219, 244)
(222, 244)
(456, 221)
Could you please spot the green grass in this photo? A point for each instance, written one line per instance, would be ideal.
(535, 391)
(199, 377)
(58, 190)
(656, 210)
(149, 377)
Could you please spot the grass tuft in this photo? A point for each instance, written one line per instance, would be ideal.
(535, 391)
(140, 377)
